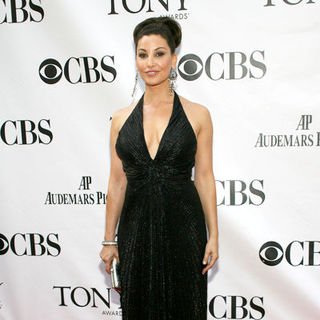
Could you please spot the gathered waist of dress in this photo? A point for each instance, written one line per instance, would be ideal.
(158, 174)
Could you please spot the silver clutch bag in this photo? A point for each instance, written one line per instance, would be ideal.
(115, 279)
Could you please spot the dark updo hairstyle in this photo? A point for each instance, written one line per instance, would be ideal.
(167, 27)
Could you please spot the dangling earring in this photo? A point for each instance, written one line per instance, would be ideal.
(172, 78)
(135, 85)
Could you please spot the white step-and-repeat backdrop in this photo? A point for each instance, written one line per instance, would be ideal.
(66, 66)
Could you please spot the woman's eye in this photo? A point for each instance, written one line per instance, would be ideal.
(159, 53)
(142, 55)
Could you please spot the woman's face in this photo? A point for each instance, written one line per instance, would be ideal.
(154, 59)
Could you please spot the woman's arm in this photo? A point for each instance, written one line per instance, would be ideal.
(205, 182)
(115, 197)
(117, 183)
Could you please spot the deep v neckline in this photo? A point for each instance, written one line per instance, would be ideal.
(165, 130)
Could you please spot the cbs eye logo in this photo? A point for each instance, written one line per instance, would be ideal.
(271, 253)
(234, 65)
(30, 244)
(190, 67)
(296, 253)
(78, 70)
(50, 71)
(4, 244)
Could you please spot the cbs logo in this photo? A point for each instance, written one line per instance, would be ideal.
(18, 11)
(237, 307)
(227, 66)
(297, 253)
(78, 70)
(30, 244)
(238, 192)
(26, 132)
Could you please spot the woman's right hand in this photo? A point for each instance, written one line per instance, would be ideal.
(107, 254)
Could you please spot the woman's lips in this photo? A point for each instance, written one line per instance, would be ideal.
(152, 73)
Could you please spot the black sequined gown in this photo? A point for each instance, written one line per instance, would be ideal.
(162, 232)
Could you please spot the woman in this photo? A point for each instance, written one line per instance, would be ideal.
(162, 238)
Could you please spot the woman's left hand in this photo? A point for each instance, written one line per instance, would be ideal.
(212, 251)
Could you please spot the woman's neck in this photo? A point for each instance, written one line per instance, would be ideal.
(158, 94)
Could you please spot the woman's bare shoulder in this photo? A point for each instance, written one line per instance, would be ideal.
(198, 115)
(120, 115)
(196, 110)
